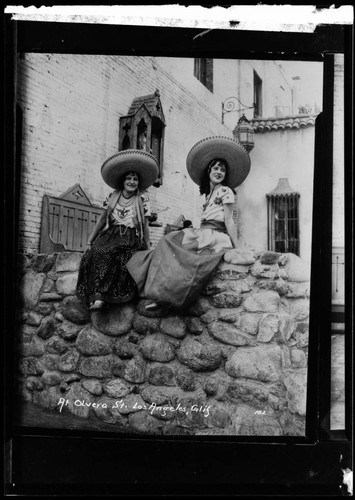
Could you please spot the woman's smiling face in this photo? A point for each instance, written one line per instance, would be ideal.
(131, 182)
(217, 172)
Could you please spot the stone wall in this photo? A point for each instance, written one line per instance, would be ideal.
(235, 363)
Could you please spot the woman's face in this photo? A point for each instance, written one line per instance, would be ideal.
(130, 183)
(217, 172)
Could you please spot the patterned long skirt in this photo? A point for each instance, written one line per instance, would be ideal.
(103, 274)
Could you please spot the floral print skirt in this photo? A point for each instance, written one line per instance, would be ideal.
(103, 274)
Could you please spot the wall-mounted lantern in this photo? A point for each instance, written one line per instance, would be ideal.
(244, 133)
(230, 105)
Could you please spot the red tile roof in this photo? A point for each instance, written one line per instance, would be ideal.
(283, 123)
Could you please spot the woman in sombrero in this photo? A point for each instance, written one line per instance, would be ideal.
(120, 232)
(177, 270)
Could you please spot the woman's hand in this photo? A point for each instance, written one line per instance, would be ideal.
(229, 222)
(146, 232)
(97, 228)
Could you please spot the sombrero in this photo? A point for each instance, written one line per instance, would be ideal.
(224, 148)
(129, 160)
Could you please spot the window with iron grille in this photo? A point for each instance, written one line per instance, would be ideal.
(203, 71)
(283, 219)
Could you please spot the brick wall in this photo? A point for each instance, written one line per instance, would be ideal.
(71, 106)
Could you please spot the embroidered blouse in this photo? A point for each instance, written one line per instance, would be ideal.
(213, 209)
(123, 214)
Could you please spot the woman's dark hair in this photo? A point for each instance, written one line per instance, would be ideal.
(205, 183)
(123, 178)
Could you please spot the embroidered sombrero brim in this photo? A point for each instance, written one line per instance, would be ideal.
(224, 148)
(130, 160)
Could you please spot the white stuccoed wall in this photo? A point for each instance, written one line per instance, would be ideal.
(280, 153)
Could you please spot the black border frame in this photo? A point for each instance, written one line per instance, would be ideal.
(46, 461)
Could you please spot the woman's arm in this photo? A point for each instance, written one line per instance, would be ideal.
(146, 231)
(147, 213)
(101, 221)
(229, 222)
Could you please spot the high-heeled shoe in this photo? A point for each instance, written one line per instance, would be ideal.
(96, 305)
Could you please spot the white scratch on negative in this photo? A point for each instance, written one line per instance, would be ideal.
(302, 18)
(348, 479)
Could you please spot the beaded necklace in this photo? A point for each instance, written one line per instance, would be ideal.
(130, 199)
(123, 203)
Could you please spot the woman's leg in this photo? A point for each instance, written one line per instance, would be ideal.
(108, 279)
(172, 274)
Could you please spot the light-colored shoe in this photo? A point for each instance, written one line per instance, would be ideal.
(153, 306)
(96, 305)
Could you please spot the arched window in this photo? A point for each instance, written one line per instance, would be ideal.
(142, 135)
